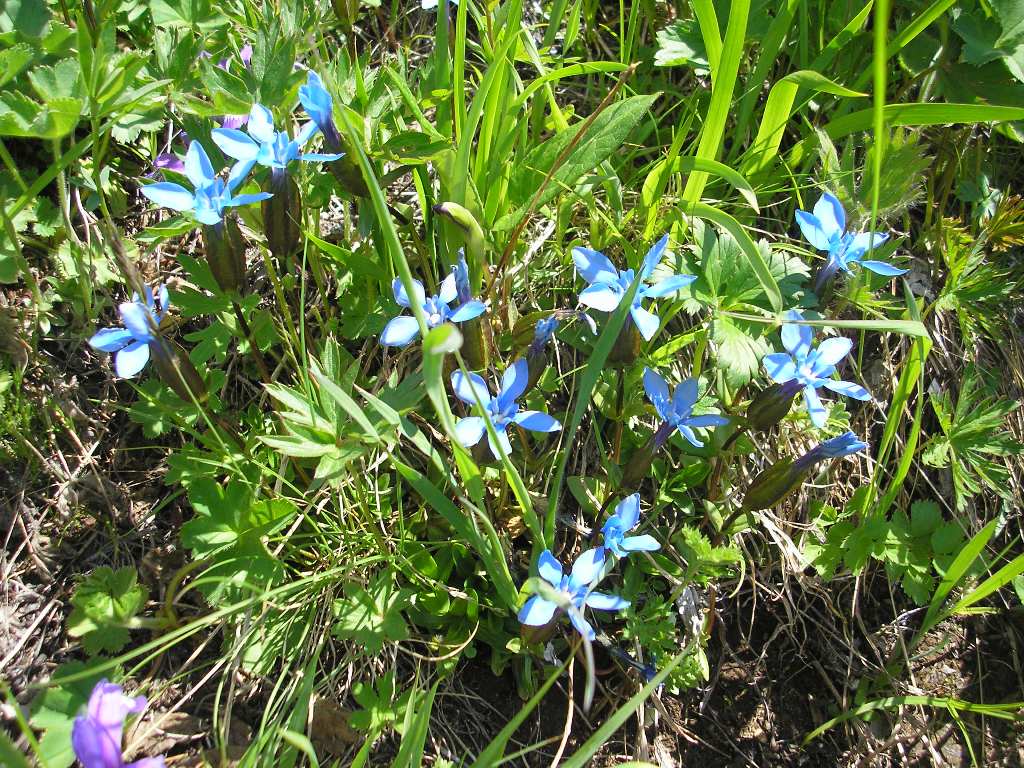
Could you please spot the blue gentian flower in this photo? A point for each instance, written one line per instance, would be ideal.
(543, 332)
(575, 587)
(676, 411)
(625, 519)
(501, 410)
(212, 195)
(319, 105)
(130, 344)
(608, 285)
(836, 447)
(811, 368)
(263, 145)
(404, 328)
(825, 229)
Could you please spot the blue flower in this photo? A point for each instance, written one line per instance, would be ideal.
(676, 411)
(625, 519)
(543, 332)
(263, 145)
(461, 271)
(404, 328)
(212, 195)
(130, 344)
(608, 285)
(500, 410)
(811, 368)
(319, 105)
(825, 229)
(574, 588)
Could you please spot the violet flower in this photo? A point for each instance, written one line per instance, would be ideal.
(96, 735)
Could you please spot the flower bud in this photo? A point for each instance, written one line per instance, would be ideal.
(225, 253)
(282, 214)
(536, 355)
(176, 370)
(774, 484)
(627, 346)
(473, 236)
(771, 405)
(638, 466)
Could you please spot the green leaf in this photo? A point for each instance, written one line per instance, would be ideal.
(925, 518)
(681, 44)
(13, 60)
(26, 17)
(1011, 18)
(605, 135)
(55, 709)
(197, 14)
(738, 350)
(372, 616)
(104, 603)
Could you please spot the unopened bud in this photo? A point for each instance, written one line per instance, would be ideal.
(627, 346)
(774, 484)
(282, 214)
(638, 466)
(771, 405)
(225, 253)
(176, 370)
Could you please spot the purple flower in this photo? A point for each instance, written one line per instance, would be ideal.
(676, 411)
(500, 410)
(825, 229)
(574, 590)
(608, 285)
(96, 735)
(130, 344)
(404, 328)
(625, 519)
(811, 368)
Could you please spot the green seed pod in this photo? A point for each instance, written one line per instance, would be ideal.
(282, 215)
(176, 370)
(638, 466)
(627, 346)
(225, 253)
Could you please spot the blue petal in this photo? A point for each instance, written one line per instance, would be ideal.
(628, 512)
(653, 257)
(706, 420)
(321, 157)
(400, 331)
(464, 387)
(862, 242)
(603, 602)
(689, 436)
(537, 611)
(135, 317)
(549, 568)
(643, 543)
(831, 351)
(536, 421)
(234, 143)
(582, 625)
(587, 568)
(316, 100)
(655, 387)
(170, 195)
(669, 285)
(848, 388)
(797, 339)
(403, 298)
(594, 266)
(306, 132)
(239, 171)
(513, 382)
(815, 409)
(812, 230)
(468, 311)
(198, 168)
(601, 296)
(131, 360)
(780, 367)
(261, 124)
(449, 291)
(882, 268)
(248, 199)
(646, 322)
(506, 446)
(110, 339)
(470, 430)
(830, 214)
(685, 397)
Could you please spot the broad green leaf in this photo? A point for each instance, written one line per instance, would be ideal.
(681, 44)
(372, 616)
(104, 603)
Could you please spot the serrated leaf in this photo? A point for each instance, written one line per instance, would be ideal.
(61, 80)
(372, 616)
(925, 517)
(738, 349)
(103, 605)
(13, 60)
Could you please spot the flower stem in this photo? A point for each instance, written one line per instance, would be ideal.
(261, 362)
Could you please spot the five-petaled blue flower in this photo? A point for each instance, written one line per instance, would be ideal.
(263, 145)
(501, 410)
(676, 411)
(625, 519)
(404, 328)
(811, 368)
(825, 229)
(130, 344)
(212, 194)
(608, 285)
(575, 588)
